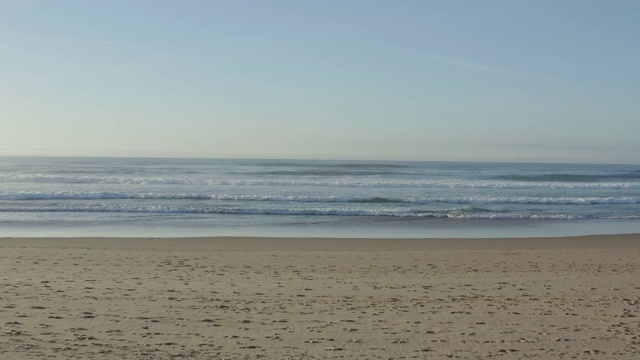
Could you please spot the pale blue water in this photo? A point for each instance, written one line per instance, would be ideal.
(213, 197)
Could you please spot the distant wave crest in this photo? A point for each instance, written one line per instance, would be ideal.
(320, 182)
(571, 178)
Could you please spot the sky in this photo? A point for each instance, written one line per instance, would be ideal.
(538, 80)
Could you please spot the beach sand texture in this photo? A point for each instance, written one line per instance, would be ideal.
(250, 298)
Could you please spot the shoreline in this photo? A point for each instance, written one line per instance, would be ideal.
(320, 298)
(268, 243)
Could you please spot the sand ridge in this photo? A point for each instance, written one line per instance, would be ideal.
(246, 298)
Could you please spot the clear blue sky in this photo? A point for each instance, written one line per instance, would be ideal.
(435, 80)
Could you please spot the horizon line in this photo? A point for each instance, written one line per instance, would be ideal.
(512, 161)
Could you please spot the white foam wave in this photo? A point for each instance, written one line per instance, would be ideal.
(208, 210)
(113, 195)
(329, 182)
(326, 211)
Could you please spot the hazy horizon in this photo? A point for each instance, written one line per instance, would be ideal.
(497, 81)
(522, 161)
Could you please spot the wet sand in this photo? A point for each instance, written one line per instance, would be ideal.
(285, 298)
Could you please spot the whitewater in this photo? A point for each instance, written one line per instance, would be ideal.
(216, 197)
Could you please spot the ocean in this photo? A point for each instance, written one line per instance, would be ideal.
(152, 197)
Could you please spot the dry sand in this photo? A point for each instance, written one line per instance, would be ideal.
(250, 298)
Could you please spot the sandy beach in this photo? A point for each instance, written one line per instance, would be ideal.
(285, 298)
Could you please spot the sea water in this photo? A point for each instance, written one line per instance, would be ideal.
(47, 196)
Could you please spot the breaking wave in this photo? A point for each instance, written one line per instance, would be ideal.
(112, 195)
(464, 213)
